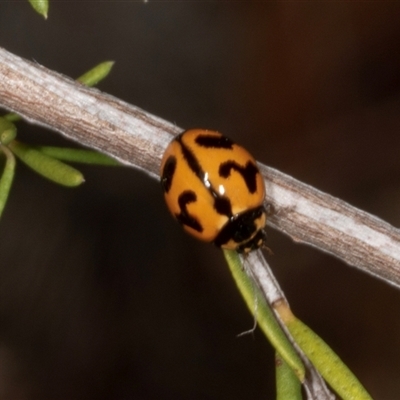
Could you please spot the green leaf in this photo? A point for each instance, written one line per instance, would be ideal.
(78, 155)
(7, 177)
(40, 6)
(96, 74)
(263, 313)
(325, 360)
(12, 117)
(8, 131)
(46, 166)
(288, 386)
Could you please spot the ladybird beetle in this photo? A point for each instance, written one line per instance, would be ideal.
(214, 188)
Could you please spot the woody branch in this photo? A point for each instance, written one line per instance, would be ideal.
(137, 138)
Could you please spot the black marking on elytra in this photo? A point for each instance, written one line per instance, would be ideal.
(168, 173)
(249, 173)
(240, 228)
(192, 161)
(221, 204)
(184, 217)
(218, 142)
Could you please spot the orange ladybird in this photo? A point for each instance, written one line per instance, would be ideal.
(214, 188)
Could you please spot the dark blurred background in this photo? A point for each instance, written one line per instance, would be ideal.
(103, 296)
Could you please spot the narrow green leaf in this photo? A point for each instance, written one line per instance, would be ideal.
(46, 166)
(40, 6)
(264, 315)
(326, 361)
(8, 131)
(288, 386)
(96, 74)
(78, 155)
(7, 177)
(12, 117)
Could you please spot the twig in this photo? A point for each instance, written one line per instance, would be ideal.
(138, 138)
(259, 270)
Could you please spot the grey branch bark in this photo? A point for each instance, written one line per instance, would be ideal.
(259, 270)
(137, 138)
